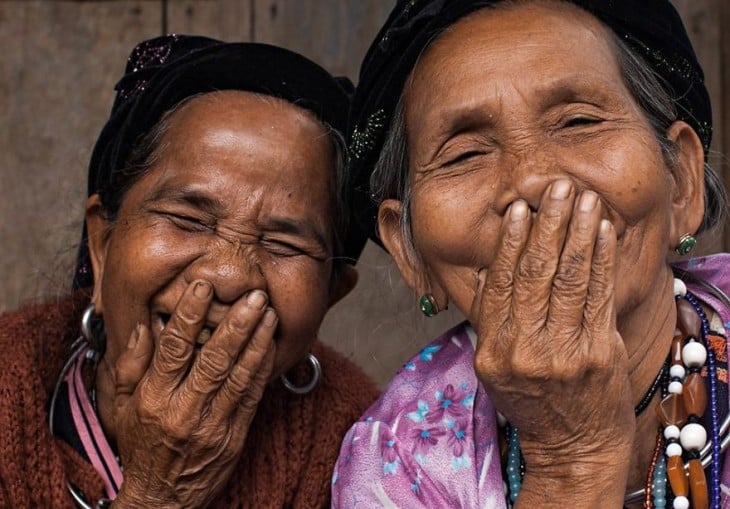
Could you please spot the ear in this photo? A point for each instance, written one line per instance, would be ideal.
(688, 181)
(97, 231)
(343, 283)
(400, 247)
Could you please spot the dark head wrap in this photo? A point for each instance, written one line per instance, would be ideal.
(163, 71)
(652, 28)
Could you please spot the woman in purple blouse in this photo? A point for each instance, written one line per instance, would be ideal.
(536, 164)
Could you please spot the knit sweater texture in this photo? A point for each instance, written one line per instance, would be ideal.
(290, 449)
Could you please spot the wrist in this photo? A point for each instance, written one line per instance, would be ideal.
(599, 481)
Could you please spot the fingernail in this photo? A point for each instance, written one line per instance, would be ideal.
(134, 338)
(201, 290)
(518, 210)
(588, 201)
(560, 189)
(604, 227)
(257, 299)
(269, 318)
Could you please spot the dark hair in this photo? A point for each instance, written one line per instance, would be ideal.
(146, 150)
(390, 176)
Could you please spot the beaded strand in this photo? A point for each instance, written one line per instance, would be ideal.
(515, 468)
(659, 484)
(714, 411)
(653, 476)
(680, 411)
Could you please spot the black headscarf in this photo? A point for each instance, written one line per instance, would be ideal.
(163, 71)
(652, 28)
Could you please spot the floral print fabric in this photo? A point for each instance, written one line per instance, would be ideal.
(429, 441)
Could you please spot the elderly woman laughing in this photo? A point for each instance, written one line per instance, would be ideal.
(535, 165)
(216, 244)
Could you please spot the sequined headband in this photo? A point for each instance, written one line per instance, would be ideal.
(653, 28)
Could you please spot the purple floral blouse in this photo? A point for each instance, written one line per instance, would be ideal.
(431, 439)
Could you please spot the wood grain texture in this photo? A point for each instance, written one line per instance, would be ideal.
(334, 33)
(227, 20)
(60, 62)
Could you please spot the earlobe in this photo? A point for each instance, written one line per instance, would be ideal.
(688, 178)
(97, 230)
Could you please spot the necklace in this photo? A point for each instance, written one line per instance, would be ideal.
(681, 436)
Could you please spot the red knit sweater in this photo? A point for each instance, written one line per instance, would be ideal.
(290, 450)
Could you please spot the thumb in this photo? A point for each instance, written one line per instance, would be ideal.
(133, 363)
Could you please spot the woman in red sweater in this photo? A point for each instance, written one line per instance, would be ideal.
(213, 246)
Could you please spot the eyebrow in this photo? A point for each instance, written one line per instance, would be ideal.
(189, 197)
(295, 227)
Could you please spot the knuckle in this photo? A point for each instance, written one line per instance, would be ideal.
(239, 381)
(499, 279)
(239, 325)
(173, 348)
(214, 363)
(535, 265)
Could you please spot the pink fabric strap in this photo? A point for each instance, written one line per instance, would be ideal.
(90, 432)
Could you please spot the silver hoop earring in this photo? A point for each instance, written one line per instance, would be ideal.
(316, 375)
(92, 329)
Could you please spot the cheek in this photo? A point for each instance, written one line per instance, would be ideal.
(461, 217)
(634, 183)
(300, 298)
(140, 263)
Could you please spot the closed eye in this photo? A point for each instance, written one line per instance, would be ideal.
(190, 223)
(464, 157)
(281, 248)
(581, 121)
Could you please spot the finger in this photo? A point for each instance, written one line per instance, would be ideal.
(175, 347)
(215, 359)
(133, 362)
(242, 390)
(570, 284)
(539, 261)
(600, 308)
(496, 297)
(476, 303)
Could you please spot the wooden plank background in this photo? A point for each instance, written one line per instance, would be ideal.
(62, 58)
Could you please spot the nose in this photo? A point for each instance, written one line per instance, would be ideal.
(232, 267)
(525, 175)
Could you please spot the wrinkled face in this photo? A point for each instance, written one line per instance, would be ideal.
(507, 101)
(240, 195)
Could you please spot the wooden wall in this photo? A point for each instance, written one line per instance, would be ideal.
(61, 59)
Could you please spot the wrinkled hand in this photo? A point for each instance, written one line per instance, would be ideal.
(549, 353)
(182, 418)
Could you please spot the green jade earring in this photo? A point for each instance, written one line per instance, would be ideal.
(428, 305)
(687, 242)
